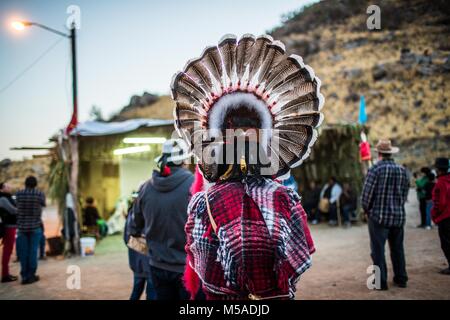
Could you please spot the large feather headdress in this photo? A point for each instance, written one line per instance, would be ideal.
(256, 72)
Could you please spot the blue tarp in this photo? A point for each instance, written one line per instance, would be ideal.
(362, 119)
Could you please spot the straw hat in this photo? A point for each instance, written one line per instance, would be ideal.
(385, 146)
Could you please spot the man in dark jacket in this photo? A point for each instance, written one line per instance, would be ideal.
(440, 211)
(383, 199)
(160, 213)
(30, 202)
(8, 214)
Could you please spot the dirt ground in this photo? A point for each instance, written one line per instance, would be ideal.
(338, 271)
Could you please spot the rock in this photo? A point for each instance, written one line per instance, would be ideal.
(407, 58)
(424, 117)
(446, 65)
(335, 57)
(426, 70)
(38, 169)
(355, 43)
(5, 163)
(305, 47)
(333, 95)
(443, 122)
(378, 72)
(328, 44)
(417, 103)
(352, 97)
(433, 85)
(352, 73)
(440, 106)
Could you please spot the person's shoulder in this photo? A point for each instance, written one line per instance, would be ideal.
(281, 190)
(197, 200)
(401, 168)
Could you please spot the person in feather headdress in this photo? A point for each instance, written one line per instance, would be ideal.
(249, 113)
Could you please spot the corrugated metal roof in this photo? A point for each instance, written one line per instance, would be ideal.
(96, 128)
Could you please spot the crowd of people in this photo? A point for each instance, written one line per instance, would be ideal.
(22, 227)
(24, 216)
(189, 267)
(168, 271)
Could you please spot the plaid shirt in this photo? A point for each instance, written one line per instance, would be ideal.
(262, 245)
(385, 192)
(29, 209)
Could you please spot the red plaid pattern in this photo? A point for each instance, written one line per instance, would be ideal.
(262, 245)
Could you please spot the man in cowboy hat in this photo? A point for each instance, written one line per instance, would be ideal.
(384, 194)
(440, 211)
(160, 213)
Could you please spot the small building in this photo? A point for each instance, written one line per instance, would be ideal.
(114, 158)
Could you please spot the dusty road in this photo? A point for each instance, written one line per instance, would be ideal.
(338, 271)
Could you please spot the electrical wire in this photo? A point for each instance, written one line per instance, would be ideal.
(28, 68)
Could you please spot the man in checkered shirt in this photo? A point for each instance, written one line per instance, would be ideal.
(384, 195)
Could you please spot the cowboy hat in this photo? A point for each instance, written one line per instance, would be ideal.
(385, 146)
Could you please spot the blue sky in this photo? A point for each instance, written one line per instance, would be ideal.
(124, 48)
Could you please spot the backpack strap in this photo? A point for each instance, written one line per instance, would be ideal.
(211, 219)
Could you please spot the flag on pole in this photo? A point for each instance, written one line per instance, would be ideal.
(362, 119)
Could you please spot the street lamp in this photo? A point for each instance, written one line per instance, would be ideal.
(20, 25)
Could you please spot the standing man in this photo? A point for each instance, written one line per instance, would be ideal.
(440, 211)
(160, 213)
(8, 214)
(30, 202)
(384, 195)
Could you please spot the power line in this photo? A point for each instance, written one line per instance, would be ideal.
(24, 71)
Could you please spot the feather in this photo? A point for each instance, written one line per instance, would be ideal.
(182, 83)
(302, 134)
(196, 108)
(211, 60)
(189, 124)
(306, 103)
(293, 92)
(274, 55)
(259, 50)
(200, 74)
(243, 53)
(285, 68)
(185, 111)
(311, 119)
(287, 155)
(227, 49)
(292, 81)
(277, 163)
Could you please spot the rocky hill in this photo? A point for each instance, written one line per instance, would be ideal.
(403, 70)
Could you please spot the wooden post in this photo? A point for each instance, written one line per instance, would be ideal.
(73, 187)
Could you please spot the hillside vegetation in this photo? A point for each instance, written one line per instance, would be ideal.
(403, 70)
